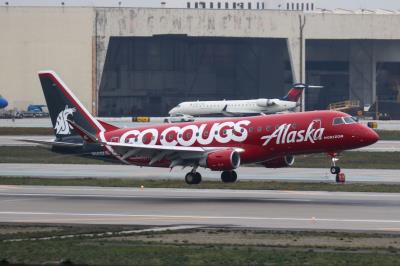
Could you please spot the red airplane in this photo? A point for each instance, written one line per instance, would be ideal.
(220, 145)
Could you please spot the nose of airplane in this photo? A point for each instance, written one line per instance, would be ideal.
(172, 111)
(369, 136)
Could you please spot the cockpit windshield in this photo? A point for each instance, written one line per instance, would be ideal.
(344, 120)
(338, 121)
(349, 120)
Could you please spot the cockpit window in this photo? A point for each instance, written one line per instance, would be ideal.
(338, 121)
(178, 105)
(344, 120)
(349, 120)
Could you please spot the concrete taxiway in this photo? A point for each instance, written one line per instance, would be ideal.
(244, 173)
(127, 122)
(243, 208)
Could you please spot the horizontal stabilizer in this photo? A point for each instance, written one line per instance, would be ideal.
(86, 135)
(52, 143)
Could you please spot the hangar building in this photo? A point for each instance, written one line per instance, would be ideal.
(126, 61)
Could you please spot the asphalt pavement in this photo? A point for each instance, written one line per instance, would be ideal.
(228, 208)
(244, 173)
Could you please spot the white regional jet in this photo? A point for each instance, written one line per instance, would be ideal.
(240, 107)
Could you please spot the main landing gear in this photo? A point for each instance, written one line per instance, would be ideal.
(228, 176)
(193, 177)
(335, 170)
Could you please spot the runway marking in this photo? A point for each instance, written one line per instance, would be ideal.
(216, 197)
(192, 192)
(154, 216)
(390, 229)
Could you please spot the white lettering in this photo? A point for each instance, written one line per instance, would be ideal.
(282, 135)
(188, 135)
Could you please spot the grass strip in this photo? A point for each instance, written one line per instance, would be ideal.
(251, 185)
(94, 252)
(350, 159)
(25, 131)
(389, 134)
(200, 247)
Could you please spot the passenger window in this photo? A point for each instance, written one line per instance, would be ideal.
(250, 129)
(338, 121)
(268, 128)
(259, 129)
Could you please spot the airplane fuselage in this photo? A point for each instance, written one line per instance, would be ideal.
(3, 103)
(226, 107)
(258, 138)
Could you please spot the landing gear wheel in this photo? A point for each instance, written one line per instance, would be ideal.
(197, 177)
(233, 176)
(193, 178)
(228, 176)
(335, 170)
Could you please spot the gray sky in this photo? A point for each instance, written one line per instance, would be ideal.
(329, 4)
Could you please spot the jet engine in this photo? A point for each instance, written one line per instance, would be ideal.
(280, 162)
(223, 160)
(265, 102)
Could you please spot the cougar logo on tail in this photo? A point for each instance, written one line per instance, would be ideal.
(62, 127)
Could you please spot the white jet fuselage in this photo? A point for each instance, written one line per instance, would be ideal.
(233, 107)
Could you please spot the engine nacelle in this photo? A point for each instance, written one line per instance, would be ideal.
(265, 102)
(223, 160)
(280, 162)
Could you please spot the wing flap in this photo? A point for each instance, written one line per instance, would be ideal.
(178, 155)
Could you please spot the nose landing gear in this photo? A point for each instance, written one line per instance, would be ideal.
(335, 170)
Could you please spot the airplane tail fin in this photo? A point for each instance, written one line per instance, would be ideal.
(63, 106)
(295, 92)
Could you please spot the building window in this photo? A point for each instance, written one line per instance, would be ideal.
(203, 4)
(196, 5)
(219, 5)
(234, 5)
(262, 5)
(211, 5)
(297, 6)
(292, 6)
(258, 5)
(226, 5)
(302, 6)
(188, 4)
(312, 6)
(307, 6)
(287, 6)
(249, 5)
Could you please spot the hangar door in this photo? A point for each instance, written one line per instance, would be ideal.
(150, 75)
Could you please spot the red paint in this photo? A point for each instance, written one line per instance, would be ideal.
(335, 138)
